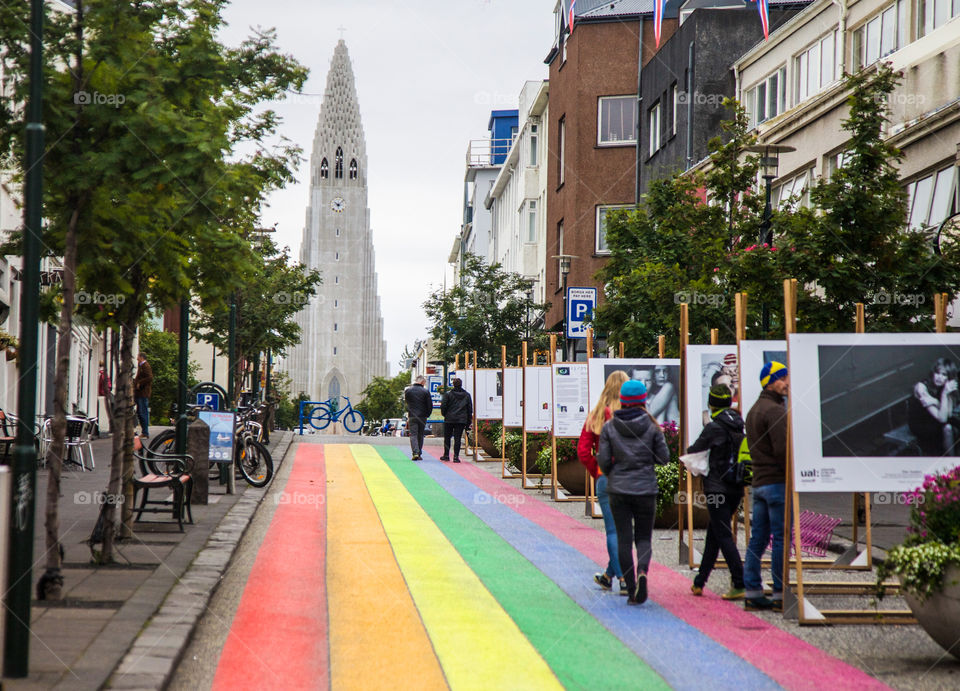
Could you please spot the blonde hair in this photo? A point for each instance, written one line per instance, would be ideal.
(609, 397)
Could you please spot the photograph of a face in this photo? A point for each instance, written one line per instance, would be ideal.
(661, 377)
(880, 409)
(753, 356)
(707, 366)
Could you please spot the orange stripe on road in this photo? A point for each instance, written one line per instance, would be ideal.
(376, 636)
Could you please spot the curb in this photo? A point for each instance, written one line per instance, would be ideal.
(158, 647)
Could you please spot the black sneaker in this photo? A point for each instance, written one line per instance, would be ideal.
(641, 595)
(603, 580)
(758, 604)
(777, 605)
(444, 458)
(456, 460)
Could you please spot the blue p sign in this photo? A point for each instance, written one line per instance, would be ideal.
(211, 400)
(582, 310)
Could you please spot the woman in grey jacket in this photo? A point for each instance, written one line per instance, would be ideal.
(631, 444)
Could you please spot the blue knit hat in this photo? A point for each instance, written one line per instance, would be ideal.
(771, 372)
(633, 392)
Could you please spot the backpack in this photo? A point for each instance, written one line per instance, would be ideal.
(739, 469)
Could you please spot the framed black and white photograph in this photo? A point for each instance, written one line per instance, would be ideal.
(513, 397)
(753, 356)
(661, 377)
(489, 398)
(873, 412)
(708, 365)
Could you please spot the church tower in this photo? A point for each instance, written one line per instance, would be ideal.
(342, 347)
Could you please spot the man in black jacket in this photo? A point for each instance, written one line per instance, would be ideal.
(457, 410)
(767, 439)
(419, 406)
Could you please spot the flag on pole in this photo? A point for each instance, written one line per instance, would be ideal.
(657, 19)
(764, 10)
(570, 18)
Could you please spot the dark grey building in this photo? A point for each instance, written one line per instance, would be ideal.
(684, 85)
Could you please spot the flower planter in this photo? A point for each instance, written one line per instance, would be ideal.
(939, 614)
(572, 476)
(487, 444)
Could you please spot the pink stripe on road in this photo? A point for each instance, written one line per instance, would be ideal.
(788, 660)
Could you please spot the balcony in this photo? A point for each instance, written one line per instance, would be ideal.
(487, 152)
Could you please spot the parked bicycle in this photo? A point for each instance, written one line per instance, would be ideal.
(325, 413)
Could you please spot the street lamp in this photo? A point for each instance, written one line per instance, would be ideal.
(769, 162)
(565, 261)
(529, 295)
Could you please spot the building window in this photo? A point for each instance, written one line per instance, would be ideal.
(338, 172)
(336, 280)
(353, 169)
(324, 169)
(337, 256)
(334, 388)
(338, 232)
(532, 220)
(334, 326)
(768, 98)
(617, 120)
(881, 35)
(334, 350)
(673, 101)
(601, 236)
(932, 14)
(653, 122)
(534, 136)
(336, 304)
(816, 67)
(559, 250)
(932, 199)
(561, 135)
(793, 192)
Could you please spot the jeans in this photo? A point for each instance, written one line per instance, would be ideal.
(416, 427)
(143, 414)
(613, 565)
(720, 538)
(768, 506)
(452, 430)
(634, 516)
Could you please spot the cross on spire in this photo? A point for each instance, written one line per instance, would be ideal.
(341, 29)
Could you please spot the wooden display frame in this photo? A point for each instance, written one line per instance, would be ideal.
(555, 485)
(524, 475)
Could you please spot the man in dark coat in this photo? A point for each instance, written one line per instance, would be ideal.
(457, 410)
(767, 439)
(419, 406)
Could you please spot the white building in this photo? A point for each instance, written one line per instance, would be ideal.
(342, 348)
(517, 199)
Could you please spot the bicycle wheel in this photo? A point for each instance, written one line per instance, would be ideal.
(254, 463)
(165, 442)
(353, 421)
(320, 418)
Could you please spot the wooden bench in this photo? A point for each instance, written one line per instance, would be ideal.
(816, 529)
(175, 477)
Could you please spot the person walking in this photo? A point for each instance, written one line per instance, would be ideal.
(419, 406)
(722, 437)
(142, 390)
(456, 406)
(767, 440)
(631, 444)
(587, 453)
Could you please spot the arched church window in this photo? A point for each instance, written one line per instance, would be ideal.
(353, 169)
(338, 172)
(324, 169)
(334, 390)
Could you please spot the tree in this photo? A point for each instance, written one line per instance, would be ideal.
(147, 112)
(162, 350)
(383, 397)
(487, 309)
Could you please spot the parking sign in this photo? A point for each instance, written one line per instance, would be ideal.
(580, 305)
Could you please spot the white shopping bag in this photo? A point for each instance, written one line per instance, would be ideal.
(697, 463)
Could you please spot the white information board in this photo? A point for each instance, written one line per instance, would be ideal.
(863, 407)
(513, 397)
(753, 356)
(571, 398)
(538, 399)
(489, 398)
(661, 377)
(466, 376)
(708, 365)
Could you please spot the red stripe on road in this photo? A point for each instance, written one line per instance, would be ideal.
(278, 638)
(788, 660)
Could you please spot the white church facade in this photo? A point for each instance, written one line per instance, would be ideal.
(342, 347)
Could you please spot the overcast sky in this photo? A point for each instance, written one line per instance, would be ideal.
(427, 72)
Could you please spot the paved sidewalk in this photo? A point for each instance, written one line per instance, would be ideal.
(80, 641)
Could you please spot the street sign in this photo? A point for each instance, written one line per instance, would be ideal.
(222, 427)
(211, 400)
(580, 305)
(434, 382)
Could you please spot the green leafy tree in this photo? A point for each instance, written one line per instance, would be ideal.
(486, 310)
(383, 397)
(162, 350)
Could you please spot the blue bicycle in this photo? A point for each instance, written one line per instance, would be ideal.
(327, 412)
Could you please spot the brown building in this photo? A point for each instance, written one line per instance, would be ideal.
(593, 131)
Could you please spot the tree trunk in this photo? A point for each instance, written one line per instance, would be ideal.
(127, 421)
(50, 586)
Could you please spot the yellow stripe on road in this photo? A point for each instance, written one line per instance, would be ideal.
(479, 645)
(376, 636)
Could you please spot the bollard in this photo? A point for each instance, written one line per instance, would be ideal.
(198, 446)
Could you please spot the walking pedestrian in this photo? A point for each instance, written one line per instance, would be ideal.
(722, 437)
(419, 406)
(767, 439)
(142, 390)
(456, 406)
(587, 453)
(631, 444)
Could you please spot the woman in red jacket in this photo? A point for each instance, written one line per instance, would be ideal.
(587, 453)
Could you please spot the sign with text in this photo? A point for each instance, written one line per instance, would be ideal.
(210, 400)
(537, 399)
(570, 398)
(580, 305)
(489, 397)
(221, 435)
(433, 383)
(513, 397)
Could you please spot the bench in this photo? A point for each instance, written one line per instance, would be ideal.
(163, 471)
(816, 529)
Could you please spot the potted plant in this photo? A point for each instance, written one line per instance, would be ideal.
(488, 437)
(928, 561)
(9, 344)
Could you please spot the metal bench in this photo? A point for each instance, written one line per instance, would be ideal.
(175, 478)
